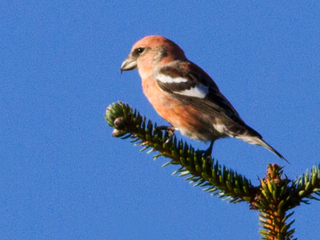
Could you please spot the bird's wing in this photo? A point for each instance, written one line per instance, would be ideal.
(189, 83)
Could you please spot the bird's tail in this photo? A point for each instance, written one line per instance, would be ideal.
(267, 146)
(258, 141)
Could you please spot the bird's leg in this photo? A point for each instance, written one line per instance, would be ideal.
(208, 152)
(170, 130)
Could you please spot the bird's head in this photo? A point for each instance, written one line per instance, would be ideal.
(149, 51)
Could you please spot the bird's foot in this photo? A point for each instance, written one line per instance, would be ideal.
(170, 130)
(208, 152)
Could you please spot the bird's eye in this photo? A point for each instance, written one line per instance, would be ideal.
(140, 50)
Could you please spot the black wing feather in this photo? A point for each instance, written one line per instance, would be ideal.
(213, 102)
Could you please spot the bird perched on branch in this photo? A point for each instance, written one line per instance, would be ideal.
(185, 95)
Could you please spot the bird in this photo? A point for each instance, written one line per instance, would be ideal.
(185, 95)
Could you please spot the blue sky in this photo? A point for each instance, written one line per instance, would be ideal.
(63, 176)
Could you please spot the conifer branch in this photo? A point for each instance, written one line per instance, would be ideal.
(200, 170)
(308, 185)
(273, 197)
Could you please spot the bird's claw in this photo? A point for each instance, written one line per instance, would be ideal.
(170, 130)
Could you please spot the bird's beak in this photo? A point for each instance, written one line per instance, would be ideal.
(128, 64)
